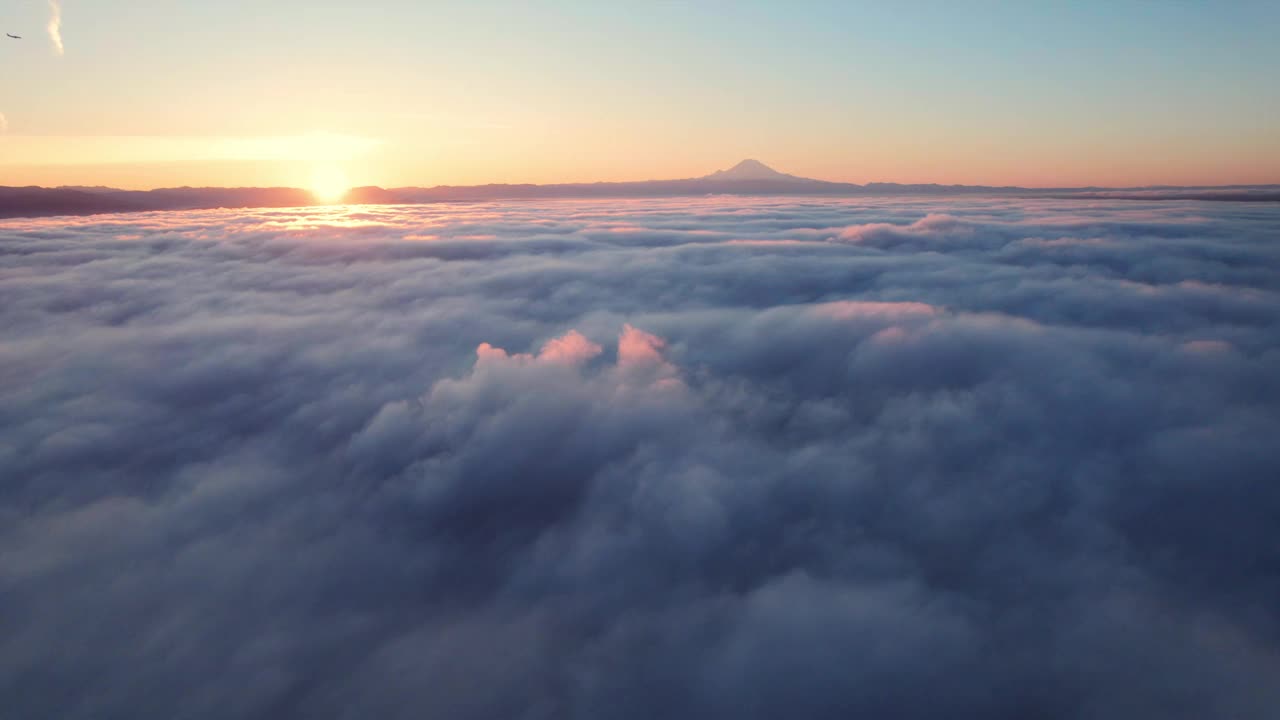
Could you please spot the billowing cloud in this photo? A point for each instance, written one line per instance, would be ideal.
(713, 458)
(55, 26)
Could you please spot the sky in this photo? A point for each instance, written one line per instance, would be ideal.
(140, 94)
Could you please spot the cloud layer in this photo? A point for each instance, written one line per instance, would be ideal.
(708, 458)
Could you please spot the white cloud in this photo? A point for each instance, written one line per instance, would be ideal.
(55, 25)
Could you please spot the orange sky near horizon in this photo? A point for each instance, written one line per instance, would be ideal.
(504, 156)
(141, 95)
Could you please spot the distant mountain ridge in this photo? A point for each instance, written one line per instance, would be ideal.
(749, 177)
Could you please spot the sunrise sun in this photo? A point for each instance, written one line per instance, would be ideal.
(329, 184)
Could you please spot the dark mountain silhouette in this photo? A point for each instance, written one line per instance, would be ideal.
(749, 177)
(371, 195)
(37, 201)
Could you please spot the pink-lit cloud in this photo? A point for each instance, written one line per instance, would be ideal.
(882, 311)
(571, 348)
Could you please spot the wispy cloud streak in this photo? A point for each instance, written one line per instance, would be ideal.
(55, 26)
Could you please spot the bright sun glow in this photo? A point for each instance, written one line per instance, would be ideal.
(329, 184)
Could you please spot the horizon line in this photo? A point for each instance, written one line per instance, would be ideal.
(747, 170)
(746, 179)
